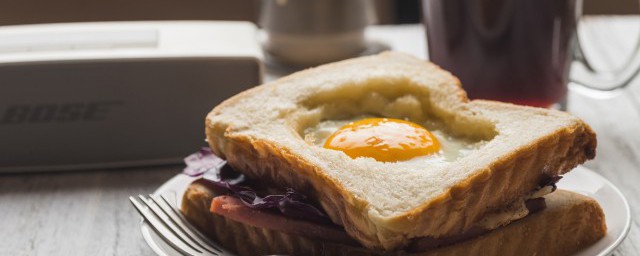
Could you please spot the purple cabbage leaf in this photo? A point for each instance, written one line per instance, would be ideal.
(211, 168)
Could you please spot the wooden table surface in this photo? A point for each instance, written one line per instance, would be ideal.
(87, 212)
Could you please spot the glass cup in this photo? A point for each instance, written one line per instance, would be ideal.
(518, 51)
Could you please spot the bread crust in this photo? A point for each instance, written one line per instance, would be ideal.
(542, 233)
(502, 180)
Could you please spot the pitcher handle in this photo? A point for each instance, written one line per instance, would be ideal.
(583, 73)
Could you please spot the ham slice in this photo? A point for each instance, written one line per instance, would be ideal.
(234, 209)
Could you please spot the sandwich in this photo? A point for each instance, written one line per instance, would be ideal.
(386, 155)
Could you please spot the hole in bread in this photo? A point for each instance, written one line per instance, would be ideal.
(325, 111)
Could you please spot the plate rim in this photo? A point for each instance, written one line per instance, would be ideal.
(627, 225)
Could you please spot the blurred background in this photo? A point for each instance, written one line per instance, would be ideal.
(156, 116)
(15, 12)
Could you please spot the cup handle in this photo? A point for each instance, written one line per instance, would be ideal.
(583, 73)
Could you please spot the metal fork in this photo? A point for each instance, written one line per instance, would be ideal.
(167, 221)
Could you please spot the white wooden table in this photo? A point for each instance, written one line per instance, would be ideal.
(87, 213)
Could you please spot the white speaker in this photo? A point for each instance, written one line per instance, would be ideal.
(112, 94)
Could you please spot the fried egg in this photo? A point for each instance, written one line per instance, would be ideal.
(389, 140)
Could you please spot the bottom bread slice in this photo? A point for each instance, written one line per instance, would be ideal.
(570, 223)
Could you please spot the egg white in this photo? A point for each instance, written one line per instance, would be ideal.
(451, 148)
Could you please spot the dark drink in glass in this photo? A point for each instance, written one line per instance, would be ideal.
(508, 50)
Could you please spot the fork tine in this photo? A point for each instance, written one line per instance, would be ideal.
(187, 223)
(178, 219)
(165, 233)
(155, 209)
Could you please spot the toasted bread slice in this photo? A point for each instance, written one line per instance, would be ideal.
(383, 205)
(570, 223)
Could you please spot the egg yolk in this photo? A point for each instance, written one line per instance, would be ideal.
(383, 139)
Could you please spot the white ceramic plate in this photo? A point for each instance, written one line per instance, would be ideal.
(581, 180)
